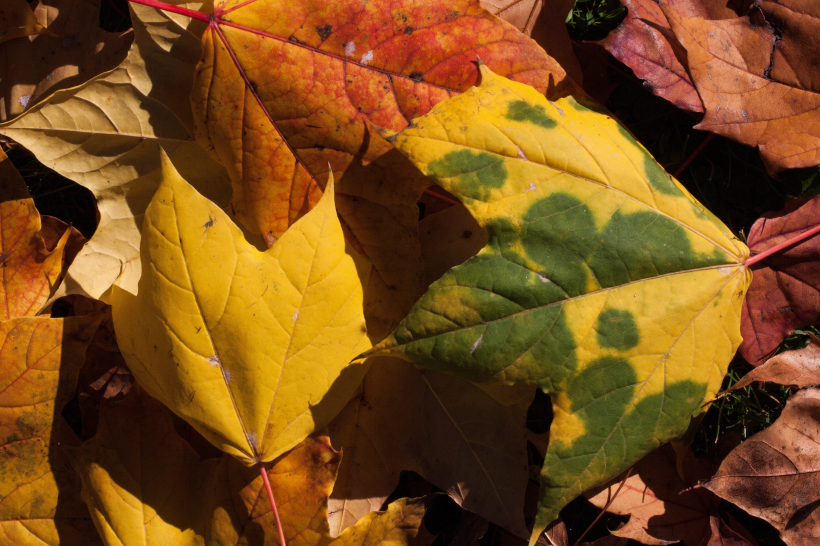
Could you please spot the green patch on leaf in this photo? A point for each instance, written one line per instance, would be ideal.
(477, 173)
(616, 329)
(523, 111)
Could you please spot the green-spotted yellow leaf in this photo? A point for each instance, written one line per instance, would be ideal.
(603, 282)
(252, 348)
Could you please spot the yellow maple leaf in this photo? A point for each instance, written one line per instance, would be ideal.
(251, 348)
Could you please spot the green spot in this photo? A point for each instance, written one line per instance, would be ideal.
(643, 245)
(581, 104)
(475, 174)
(523, 111)
(558, 234)
(658, 178)
(617, 330)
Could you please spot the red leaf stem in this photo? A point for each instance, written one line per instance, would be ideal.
(751, 260)
(175, 9)
(264, 473)
(694, 154)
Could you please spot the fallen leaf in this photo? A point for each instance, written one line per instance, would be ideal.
(30, 271)
(17, 20)
(271, 122)
(521, 14)
(267, 335)
(105, 133)
(565, 296)
(70, 50)
(556, 533)
(457, 436)
(800, 368)
(399, 525)
(52, 230)
(663, 508)
(39, 494)
(142, 483)
(730, 62)
(723, 535)
(146, 486)
(278, 130)
(783, 294)
(644, 42)
(448, 238)
(551, 33)
(774, 474)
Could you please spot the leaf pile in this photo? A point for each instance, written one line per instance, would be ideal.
(342, 246)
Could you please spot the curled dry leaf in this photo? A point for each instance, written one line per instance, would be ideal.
(71, 50)
(29, 272)
(17, 20)
(252, 348)
(463, 439)
(723, 535)
(732, 63)
(146, 486)
(105, 133)
(783, 294)
(564, 296)
(800, 368)
(39, 494)
(775, 474)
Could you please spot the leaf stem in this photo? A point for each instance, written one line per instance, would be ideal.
(442, 197)
(264, 473)
(751, 260)
(174, 9)
(694, 154)
(603, 510)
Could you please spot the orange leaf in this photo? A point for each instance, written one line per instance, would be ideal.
(285, 89)
(39, 362)
(17, 20)
(732, 63)
(29, 271)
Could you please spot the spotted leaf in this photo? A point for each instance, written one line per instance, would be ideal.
(603, 282)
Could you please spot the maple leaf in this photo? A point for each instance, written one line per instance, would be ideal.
(588, 237)
(69, 51)
(732, 63)
(17, 20)
(39, 362)
(664, 508)
(461, 438)
(783, 294)
(247, 346)
(774, 475)
(145, 485)
(28, 271)
(104, 135)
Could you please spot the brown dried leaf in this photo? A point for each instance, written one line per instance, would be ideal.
(723, 535)
(800, 368)
(72, 51)
(730, 62)
(663, 507)
(17, 20)
(775, 474)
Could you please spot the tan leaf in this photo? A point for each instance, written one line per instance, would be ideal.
(17, 20)
(800, 368)
(775, 474)
(70, 51)
(521, 14)
(104, 135)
